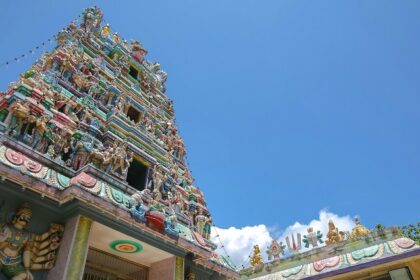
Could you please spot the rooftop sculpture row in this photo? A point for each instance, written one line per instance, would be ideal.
(311, 239)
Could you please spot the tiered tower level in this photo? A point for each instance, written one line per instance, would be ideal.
(93, 114)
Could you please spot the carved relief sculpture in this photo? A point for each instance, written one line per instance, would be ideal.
(22, 251)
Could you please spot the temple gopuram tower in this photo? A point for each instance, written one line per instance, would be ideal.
(93, 179)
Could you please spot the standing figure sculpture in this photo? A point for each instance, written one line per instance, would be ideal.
(38, 141)
(19, 110)
(200, 221)
(122, 160)
(80, 153)
(22, 251)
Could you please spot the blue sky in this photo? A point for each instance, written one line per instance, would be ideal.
(286, 107)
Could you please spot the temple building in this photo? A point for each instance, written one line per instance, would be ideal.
(362, 254)
(93, 179)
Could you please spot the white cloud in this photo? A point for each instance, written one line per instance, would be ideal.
(238, 242)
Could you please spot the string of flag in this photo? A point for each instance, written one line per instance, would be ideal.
(40, 47)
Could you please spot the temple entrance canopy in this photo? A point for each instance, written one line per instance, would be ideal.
(119, 256)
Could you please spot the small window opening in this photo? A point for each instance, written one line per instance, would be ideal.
(133, 114)
(133, 72)
(137, 174)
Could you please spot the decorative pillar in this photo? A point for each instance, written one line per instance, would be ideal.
(179, 268)
(79, 250)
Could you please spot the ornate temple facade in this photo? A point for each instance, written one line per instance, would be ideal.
(362, 254)
(93, 179)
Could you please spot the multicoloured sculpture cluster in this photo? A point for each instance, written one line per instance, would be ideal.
(343, 250)
(312, 238)
(22, 251)
(95, 100)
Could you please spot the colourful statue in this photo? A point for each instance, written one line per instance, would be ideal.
(256, 258)
(116, 38)
(207, 228)
(81, 152)
(122, 159)
(22, 251)
(137, 51)
(92, 18)
(275, 249)
(312, 238)
(333, 234)
(200, 221)
(38, 140)
(106, 30)
(295, 245)
(19, 110)
(359, 230)
(190, 276)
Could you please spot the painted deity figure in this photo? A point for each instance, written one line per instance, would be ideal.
(137, 51)
(312, 238)
(200, 221)
(359, 230)
(22, 251)
(81, 153)
(92, 18)
(207, 227)
(41, 128)
(106, 30)
(333, 235)
(190, 275)
(122, 159)
(19, 110)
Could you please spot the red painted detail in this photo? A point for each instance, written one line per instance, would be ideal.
(155, 219)
(85, 180)
(322, 264)
(14, 157)
(199, 238)
(33, 166)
